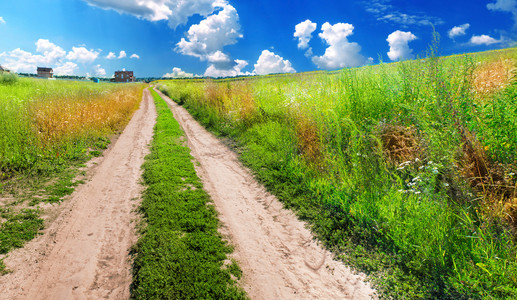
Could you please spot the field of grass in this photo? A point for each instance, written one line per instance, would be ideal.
(45, 122)
(48, 129)
(407, 170)
(180, 254)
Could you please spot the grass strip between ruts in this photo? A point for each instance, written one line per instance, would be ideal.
(180, 254)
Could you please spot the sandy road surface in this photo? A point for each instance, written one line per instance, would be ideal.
(83, 254)
(276, 252)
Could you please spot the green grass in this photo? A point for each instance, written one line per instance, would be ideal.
(180, 254)
(3, 268)
(18, 228)
(413, 217)
(47, 123)
(48, 130)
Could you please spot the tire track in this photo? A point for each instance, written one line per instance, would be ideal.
(278, 255)
(84, 254)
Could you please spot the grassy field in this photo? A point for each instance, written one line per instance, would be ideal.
(48, 129)
(44, 122)
(406, 170)
(180, 254)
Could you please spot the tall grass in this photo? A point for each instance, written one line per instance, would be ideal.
(409, 167)
(46, 122)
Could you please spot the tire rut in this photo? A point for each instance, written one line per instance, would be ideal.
(277, 253)
(84, 253)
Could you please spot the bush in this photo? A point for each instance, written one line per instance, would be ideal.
(8, 78)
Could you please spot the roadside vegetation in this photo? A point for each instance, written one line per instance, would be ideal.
(180, 254)
(407, 170)
(48, 130)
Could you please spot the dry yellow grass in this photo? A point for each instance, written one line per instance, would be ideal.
(308, 139)
(492, 76)
(59, 119)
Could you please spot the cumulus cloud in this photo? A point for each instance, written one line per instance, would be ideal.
(303, 32)
(236, 70)
(270, 63)
(122, 54)
(2, 21)
(458, 30)
(51, 52)
(178, 73)
(19, 60)
(83, 55)
(211, 34)
(68, 68)
(176, 12)
(23, 61)
(483, 40)
(220, 60)
(341, 53)
(47, 54)
(111, 55)
(135, 56)
(505, 6)
(99, 71)
(399, 45)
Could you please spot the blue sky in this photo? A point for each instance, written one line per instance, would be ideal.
(227, 38)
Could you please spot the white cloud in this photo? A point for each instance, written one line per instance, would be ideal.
(23, 61)
(399, 45)
(269, 63)
(505, 6)
(83, 55)
(51, 52)
(236, 70)
(122, 54)
(303, 32)
(341, 53)
(383, 11)
(458, 30)
(176, 12)
(211, 34)
(220, 60)
(134, 55)
(178, 73)
(99, 71)
(483, 40)
(111, 55)
(2, 21)
(68, 68)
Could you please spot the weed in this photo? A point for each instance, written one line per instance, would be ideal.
(46, 129)
(407, 170)
(3, 268)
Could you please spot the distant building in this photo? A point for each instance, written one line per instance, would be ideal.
(45, 72)
(2, 69)
(124, 76)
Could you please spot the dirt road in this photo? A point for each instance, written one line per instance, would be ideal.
(83, 254)
(276, 252)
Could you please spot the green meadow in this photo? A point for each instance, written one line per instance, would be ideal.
(48, 130)
(44, 122)
(407, 171)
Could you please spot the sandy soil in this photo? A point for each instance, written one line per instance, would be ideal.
(278, 256)
(83, 254)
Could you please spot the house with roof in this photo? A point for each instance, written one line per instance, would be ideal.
(45, 72)
(124, 76)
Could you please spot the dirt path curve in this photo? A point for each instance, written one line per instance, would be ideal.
(83, 254)
(276, 252)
